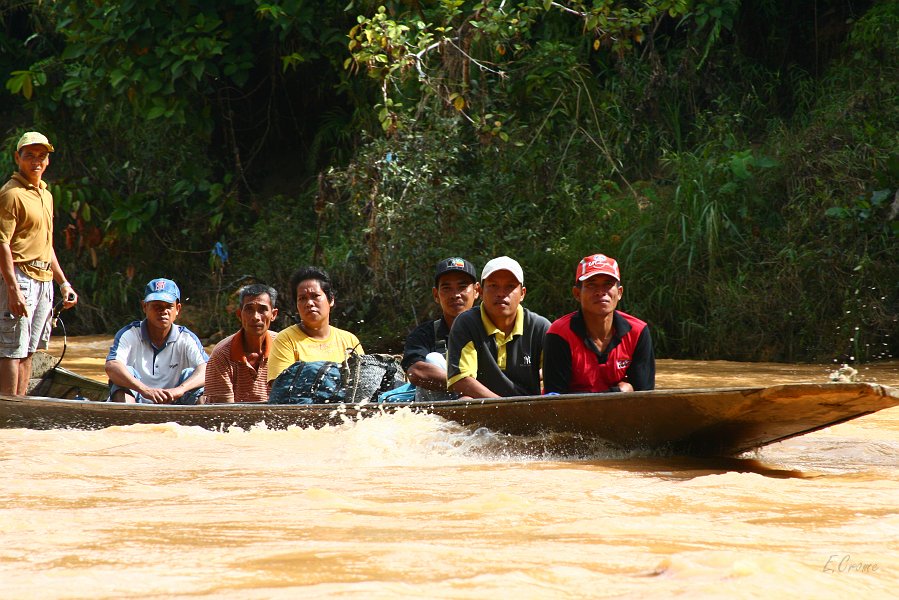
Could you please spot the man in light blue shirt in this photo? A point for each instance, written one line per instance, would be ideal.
(155, 361)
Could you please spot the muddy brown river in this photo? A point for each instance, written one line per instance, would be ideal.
(410, 505)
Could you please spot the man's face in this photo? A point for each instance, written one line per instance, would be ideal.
(501, 295)
(32, 161)
(598, 295)
(161, 315)
(455, 293)
(313, 305)
(256, 314)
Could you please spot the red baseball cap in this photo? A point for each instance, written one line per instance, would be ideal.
(596, 264)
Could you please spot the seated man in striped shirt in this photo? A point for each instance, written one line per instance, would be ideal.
(238, 368)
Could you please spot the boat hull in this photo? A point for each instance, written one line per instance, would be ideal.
(713, 421)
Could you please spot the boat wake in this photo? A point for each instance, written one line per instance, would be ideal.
(403, 437)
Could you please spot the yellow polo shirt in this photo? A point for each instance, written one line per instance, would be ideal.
(26, 224)
(292, 344)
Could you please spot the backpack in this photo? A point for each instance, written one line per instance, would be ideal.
(366, 376)
(314, 382)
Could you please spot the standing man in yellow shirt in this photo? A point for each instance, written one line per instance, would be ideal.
(28, 264)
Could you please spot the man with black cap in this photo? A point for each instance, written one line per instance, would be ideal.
(155, 361)
(598, 348)
(497, 349)
(28, 264)
(424, 357)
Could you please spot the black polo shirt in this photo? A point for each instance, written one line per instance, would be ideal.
(507, 366)
(423, 340)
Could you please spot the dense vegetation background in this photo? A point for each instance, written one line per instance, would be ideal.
(739, 158)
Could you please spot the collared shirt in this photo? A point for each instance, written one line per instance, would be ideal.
(574, 364)
(506, 365)
(26, 224)
(423, 340)
(157, 367)
(292, 344)
(230, 378)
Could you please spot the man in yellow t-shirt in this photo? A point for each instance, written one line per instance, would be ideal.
(28, 264)
(314, 338)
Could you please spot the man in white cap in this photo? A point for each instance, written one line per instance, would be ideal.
(598, 348)
(155, 361)
(28, 264)
(496, 349)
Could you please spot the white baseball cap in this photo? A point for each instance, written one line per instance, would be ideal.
(503, 263)
(33, 137)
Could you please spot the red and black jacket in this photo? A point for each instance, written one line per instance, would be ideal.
(572, 363)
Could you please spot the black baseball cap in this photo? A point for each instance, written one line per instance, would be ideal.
(454, 263)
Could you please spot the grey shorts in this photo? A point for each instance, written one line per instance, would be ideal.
(21, 336)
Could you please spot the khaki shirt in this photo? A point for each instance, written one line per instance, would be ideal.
(26, 224)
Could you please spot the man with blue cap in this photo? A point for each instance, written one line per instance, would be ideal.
(155, 361)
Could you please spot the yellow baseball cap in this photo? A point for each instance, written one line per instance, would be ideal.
(33, 137)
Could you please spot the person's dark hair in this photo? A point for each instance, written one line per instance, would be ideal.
(316, 273)
(256, 289)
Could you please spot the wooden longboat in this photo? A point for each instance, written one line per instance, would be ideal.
(708, 421)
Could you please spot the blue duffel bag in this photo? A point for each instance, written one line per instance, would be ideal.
(403, 393)
(314, 382)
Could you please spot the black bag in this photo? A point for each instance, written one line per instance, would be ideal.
(314, 382)
(366, 376)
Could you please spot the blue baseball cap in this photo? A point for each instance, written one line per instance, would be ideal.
(162, 289)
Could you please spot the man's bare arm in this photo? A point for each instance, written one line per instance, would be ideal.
(472, 388)
(196, 379)
(426, 375)
(119, 374)
(16, 300)
(69, 297)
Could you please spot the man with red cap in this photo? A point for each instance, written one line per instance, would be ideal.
(598, 348)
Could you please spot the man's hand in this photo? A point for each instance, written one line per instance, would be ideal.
(69, 297)
(16, 303)
(157, 395)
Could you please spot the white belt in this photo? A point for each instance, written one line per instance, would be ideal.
(40, 264)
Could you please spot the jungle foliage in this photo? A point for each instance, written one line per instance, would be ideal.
(739, 158)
